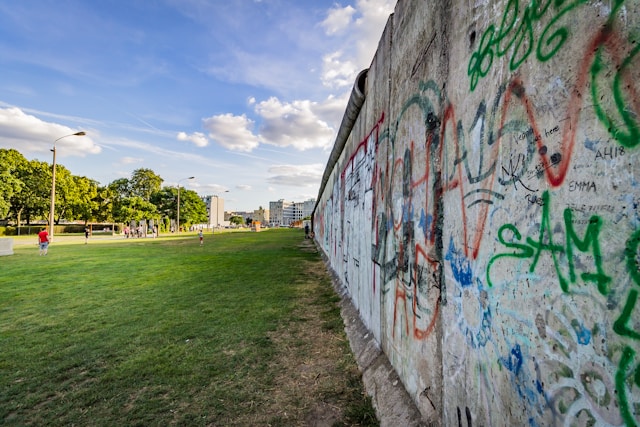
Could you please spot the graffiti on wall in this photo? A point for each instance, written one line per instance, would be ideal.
(472, 211)
(409, 180)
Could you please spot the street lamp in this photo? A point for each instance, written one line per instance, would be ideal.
(191, 177)
(53, 182)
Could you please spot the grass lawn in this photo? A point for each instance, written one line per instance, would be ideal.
(244, 330)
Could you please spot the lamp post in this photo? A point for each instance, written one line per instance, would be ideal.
(53, 182)
(191, 177)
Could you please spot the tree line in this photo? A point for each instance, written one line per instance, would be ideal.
(25, 196)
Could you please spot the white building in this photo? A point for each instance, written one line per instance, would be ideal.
(284, 213)
(277, 213)
(215, 210)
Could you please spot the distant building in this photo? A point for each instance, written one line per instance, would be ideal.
(284, 213)
(262, 216)
(307, 207)
(215, 211)
(277, 210)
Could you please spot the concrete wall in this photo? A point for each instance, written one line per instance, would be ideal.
(483, 213)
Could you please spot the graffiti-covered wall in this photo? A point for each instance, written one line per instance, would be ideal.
(482, 212)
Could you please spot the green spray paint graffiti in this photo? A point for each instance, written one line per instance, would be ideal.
(630, 137)
(625, 378)
(535, 248)
(627, 375)
(515, 34)
(609, 58)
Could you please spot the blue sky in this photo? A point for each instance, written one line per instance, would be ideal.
(245, 95)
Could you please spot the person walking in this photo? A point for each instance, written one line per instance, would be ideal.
(86, 235)
(43, 241)
(201, 236)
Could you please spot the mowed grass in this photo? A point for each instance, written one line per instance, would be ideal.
(156, 331)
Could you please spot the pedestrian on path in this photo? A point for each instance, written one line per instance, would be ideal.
(201, 236)
(43, 241)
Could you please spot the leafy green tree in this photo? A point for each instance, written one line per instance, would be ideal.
(10, 161)
(193, 210)
(103, 207)
(32, 201)
(166, 202)
(121, 188)
(236, 219)
(84, 203)
(144, 182)
(136, 209)
(66, 194)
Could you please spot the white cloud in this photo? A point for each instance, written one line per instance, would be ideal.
(197, 138)
(361, 35)
(232, 132)
(338, 73)
(338, 19)
(369, 26)
(243, 187)
(302, 125)
(296, 175)
(209, 189)
(29, 134)
(130, 160)
(296, 124)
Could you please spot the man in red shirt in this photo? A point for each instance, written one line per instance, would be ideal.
(43, 241)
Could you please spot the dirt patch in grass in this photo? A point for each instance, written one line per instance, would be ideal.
(316, 379)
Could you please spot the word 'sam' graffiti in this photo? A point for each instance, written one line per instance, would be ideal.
(534, 248)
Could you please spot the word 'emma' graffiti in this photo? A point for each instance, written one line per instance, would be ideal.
(530, 248)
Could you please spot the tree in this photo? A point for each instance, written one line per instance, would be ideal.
(165, 201)
(120, 188)
(34, 198)
(66, 194)
(130, 199)
(103, 206)
(83, 205)
(236, 219)
(10, 162)
(144, 182)
(135, 209)
(193, 209)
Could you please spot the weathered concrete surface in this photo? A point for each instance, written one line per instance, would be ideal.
(391, 401)
(483, 215)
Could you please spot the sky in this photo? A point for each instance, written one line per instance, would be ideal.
(244, 95)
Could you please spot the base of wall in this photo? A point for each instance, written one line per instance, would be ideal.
(391, 401)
